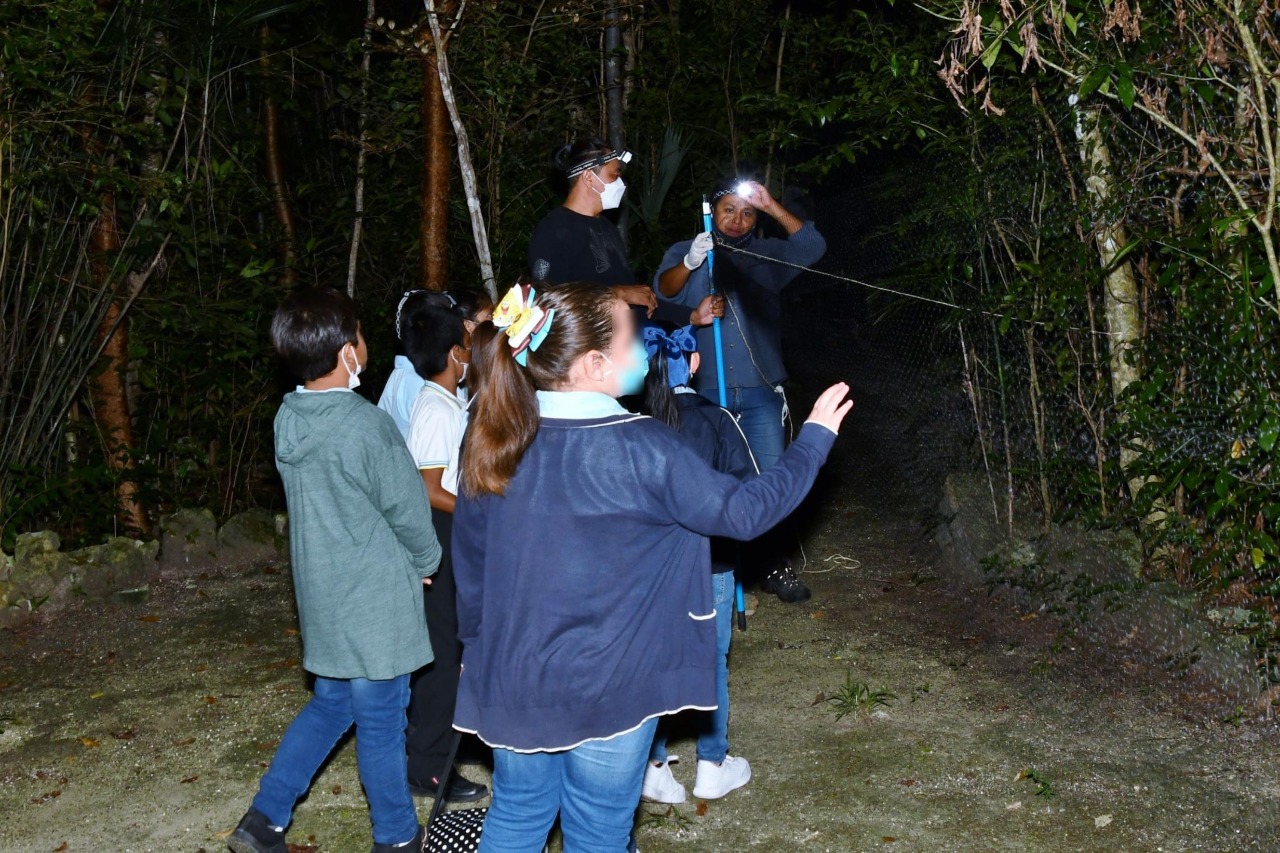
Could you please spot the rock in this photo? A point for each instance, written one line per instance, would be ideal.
(119, 563)
(1229, 617)
(13, 616)
(133, 596)
(1093, 579)
(188, 541)
(251, 537)
(38, 565)
(6, 566)
(30, 545)
(969, 531)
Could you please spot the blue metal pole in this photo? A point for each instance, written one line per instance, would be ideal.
(738, 596)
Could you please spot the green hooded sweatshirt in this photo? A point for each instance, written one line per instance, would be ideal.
(360, 536)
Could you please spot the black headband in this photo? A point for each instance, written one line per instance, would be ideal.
(598, 161)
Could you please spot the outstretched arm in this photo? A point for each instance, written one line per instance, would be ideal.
(714, 504)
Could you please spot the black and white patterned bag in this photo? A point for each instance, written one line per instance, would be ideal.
(455, 832)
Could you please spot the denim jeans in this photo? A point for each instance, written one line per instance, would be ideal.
(759, 413)
(377, 709)
(713, 726)
(595, 787)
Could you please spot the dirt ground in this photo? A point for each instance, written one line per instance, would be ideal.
(144, 726)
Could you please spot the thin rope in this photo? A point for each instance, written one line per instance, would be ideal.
(905, 295)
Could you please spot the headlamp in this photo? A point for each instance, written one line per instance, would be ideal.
(743, 189)
(623, 156)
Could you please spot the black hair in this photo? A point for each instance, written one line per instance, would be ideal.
(311, 327)
(471, 302)
(430, 326)
(572, 154)
(659, 400)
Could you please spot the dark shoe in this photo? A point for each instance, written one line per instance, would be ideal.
(460, 790)
(255, 834)
(783, 583)
(415, 846)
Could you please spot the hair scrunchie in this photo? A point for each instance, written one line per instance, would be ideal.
(676, 347)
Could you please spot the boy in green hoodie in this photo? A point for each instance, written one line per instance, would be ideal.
(362, 546)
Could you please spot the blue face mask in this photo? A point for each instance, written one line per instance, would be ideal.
(631, 376)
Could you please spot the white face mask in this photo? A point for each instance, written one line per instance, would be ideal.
(465, 365)
(353, 377)
(611, 195)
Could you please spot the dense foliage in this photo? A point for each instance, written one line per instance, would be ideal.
(1096, 177)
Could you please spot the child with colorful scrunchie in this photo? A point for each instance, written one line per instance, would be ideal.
(581, 556)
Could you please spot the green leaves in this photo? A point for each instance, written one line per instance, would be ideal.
(1093, 80)
(1124, 85)
(1268, 433)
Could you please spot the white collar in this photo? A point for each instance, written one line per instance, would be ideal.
(444, 392)
(301, 390)
(577, 405)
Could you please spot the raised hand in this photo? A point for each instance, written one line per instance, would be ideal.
(831, 407)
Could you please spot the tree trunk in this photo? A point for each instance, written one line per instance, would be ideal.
(465, 164)
(613, 91)
(437, 157)
(275, 171)
(362, 155)
(108, 388)
(1121, 298)
(613, 61)
(777, 91)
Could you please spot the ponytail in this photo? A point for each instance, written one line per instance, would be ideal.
(659, 400)
(668, 368)
(505, 419)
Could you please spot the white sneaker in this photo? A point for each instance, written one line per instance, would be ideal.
(660, 786)
(716, 780)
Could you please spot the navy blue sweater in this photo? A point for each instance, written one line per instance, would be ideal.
(752, 286)
(715, 436)
(583, 602)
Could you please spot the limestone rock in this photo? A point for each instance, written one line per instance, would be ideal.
(38, 565)
(188, 541)
(119, 563)
(251, 537)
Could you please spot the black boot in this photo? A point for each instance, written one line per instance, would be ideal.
(459, 790)
(255, 834)
(782, 582)
(415, 846)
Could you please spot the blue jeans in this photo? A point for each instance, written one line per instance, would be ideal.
(595, 787)
(713, 726)
(759, 413)
(377, 709)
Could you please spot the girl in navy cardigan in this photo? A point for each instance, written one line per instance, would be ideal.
(713, 433)
(581, 559)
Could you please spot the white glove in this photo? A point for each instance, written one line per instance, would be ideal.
(702, 245)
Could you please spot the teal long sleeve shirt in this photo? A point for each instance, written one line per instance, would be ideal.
(360, 536)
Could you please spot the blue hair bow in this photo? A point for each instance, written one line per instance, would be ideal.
(676, 346)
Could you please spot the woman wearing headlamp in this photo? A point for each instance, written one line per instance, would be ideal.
(574, 242)
(752, 286)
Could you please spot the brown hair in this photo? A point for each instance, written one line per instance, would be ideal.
(505, 419)
(477, 374)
